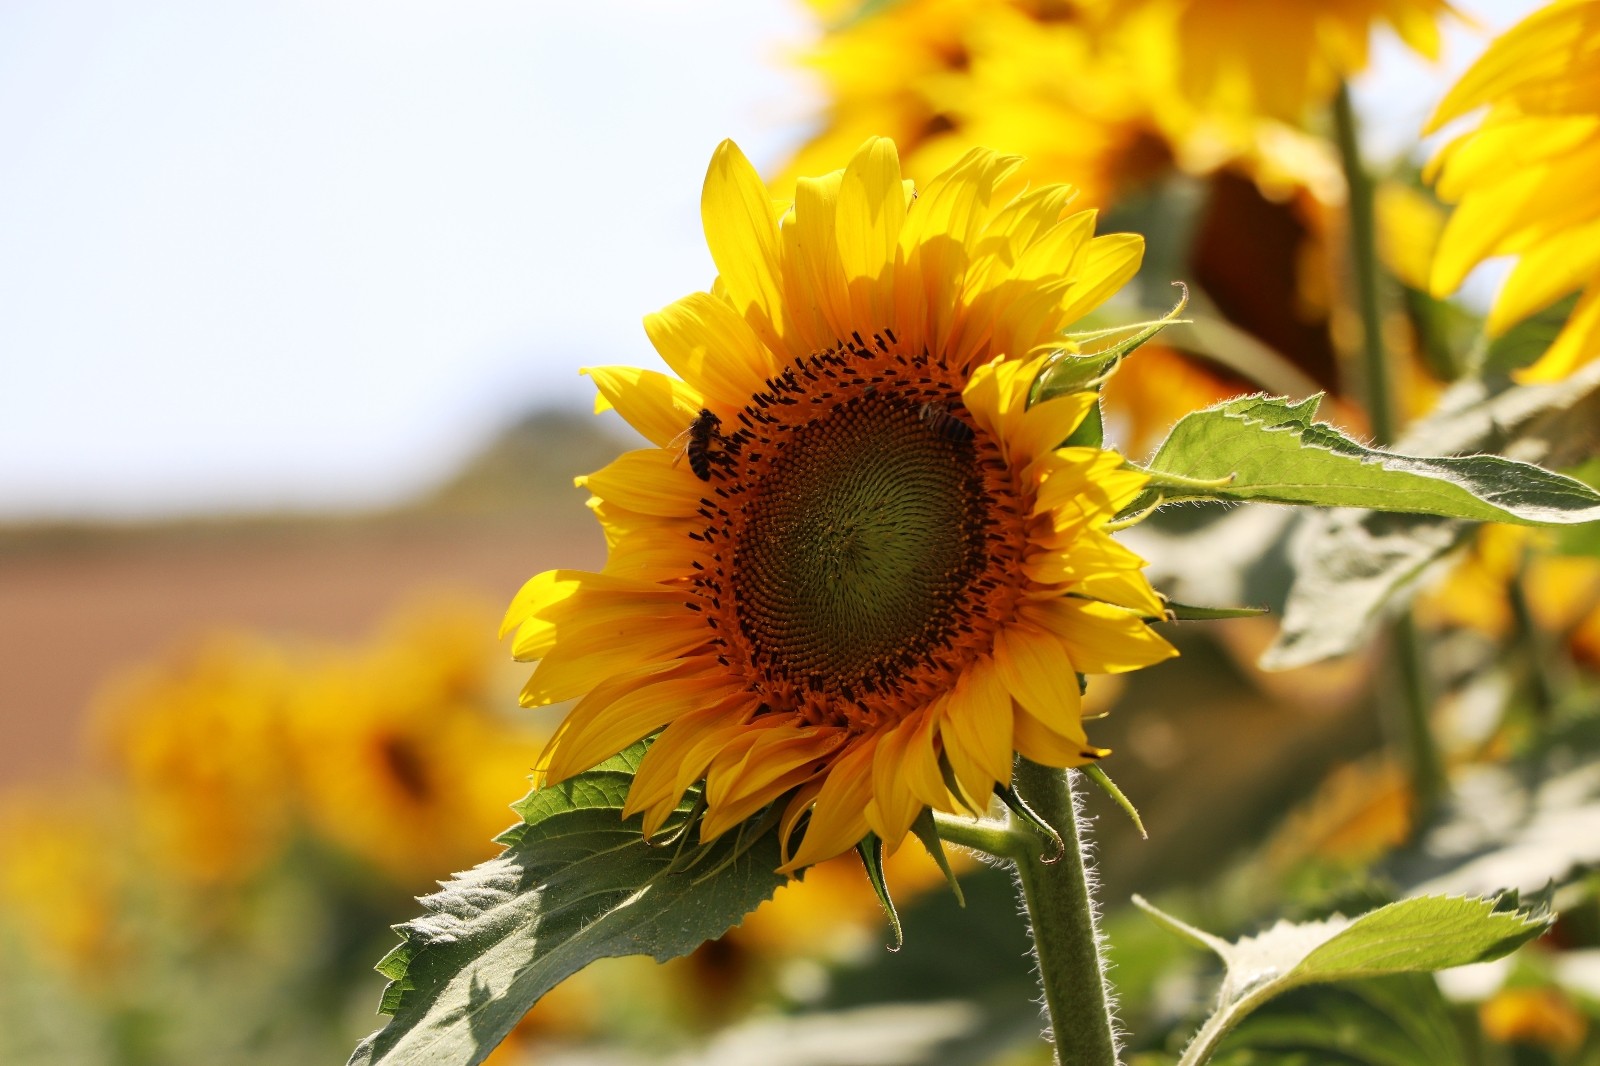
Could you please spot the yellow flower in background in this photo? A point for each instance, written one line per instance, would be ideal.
(1541, 1016)
(399, 755)
(876, 561)
(1409, 227)
(940, 77)
(62, 879)
(1562, 591)
(391, 751)
(1265, 58)
(198, 740)
(1524, 178)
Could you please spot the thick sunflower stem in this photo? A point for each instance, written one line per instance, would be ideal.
(1422, 748)
(1061, 913)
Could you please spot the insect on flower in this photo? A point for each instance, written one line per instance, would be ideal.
(944, 424)
(696, 442)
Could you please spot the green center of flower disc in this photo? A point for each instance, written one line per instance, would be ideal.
(860, 543)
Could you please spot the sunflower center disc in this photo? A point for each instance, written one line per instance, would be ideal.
(859, 545)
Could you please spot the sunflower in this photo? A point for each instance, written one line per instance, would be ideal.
(1523, 179)
(944, 76)
(878, 573)
(399, 757)
(198, 738)
(1266, 58)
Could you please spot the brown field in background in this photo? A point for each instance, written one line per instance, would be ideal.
(80, 604)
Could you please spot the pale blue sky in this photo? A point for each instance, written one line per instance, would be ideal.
(313, 252)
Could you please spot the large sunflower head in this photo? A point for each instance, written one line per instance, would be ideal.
(856, 571)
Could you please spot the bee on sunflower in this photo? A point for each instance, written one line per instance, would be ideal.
(857, 612)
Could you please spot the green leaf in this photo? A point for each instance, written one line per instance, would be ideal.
(1270, 450)
(1419, 935)
(1353, 566)
(575, 883)
(1521, 826)
(1401, 1020)
(1413, 936)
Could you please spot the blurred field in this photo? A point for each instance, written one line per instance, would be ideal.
(80, 603)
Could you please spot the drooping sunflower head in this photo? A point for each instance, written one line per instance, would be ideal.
(857, 571)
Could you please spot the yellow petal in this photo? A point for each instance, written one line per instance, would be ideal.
(736, 211)
(977, 731)
(649, 481)
(1038, 741)
(1560, 264)
(589, 610)
(894, 807)
(838, 818)
(1128, 589)
(1044, 427)
(1083, 487)
(1108, 263)
(657, 406)
(679, 757)
(747, 777)
(1035, 668)
(1100, 638)
(1537, 53)
(610, 718)
(1577, 344)
(871, 210)
(592, 649)
(819, 297)
(708, 345)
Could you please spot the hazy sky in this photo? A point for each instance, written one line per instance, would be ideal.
(314, 252)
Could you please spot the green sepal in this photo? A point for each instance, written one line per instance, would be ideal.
(1188, 612)
(1091, 432)
(1022, 812)
(870, 848)
(928, 834)
(1109, 787)
(1079, 368)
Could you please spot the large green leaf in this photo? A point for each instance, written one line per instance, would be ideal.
(1270, 450)
(1413, 936)
(575, 883)
(1401, 1020)
(1352, 566)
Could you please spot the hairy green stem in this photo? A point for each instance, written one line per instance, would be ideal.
(1422, 749)
(991, 838)
(1061, 915)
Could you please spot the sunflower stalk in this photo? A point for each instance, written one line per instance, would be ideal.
(1426, 766)
(995, 839)
(1062, 918)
